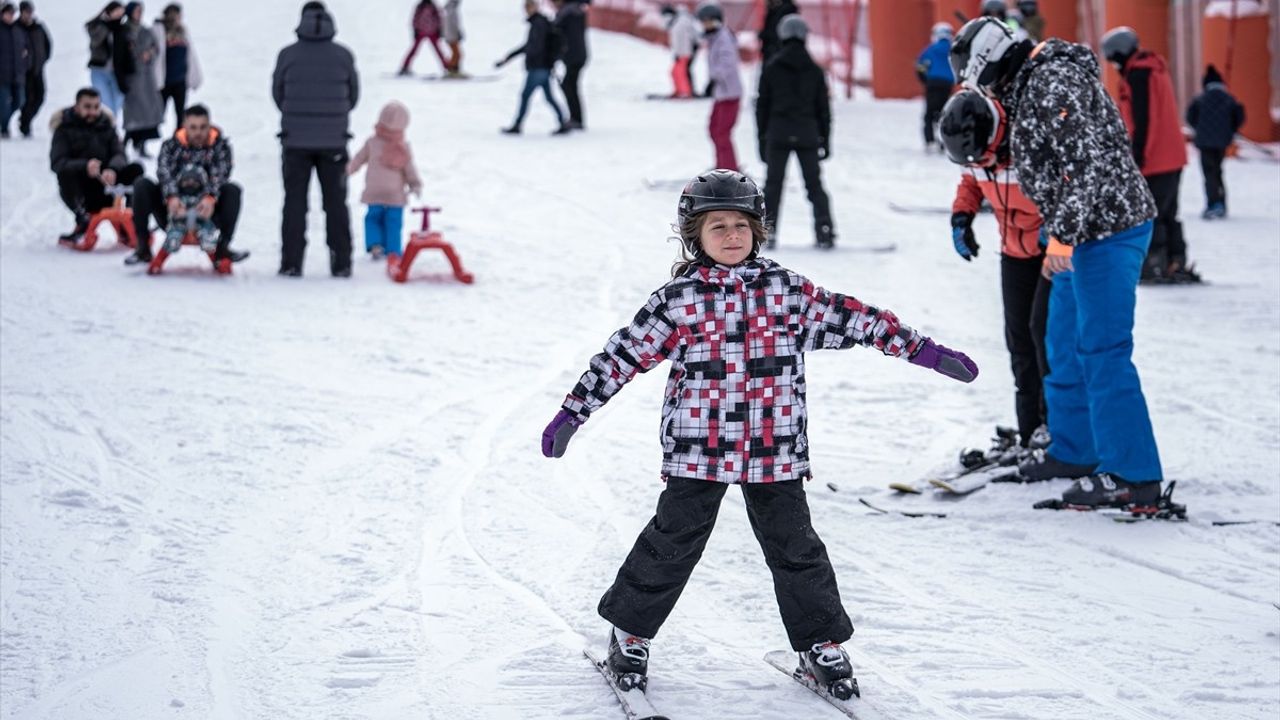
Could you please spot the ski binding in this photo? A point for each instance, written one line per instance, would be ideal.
(1164, 509)
(635, 704)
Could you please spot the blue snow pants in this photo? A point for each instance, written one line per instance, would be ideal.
(1097, 413)
(382, 227)
(104, 81)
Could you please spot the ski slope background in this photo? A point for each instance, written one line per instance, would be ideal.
(255, 497)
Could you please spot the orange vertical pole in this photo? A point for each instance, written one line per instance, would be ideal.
(1252, 89)
(899, 29)
(1149, 18)
(1061, 19)
(951, 11)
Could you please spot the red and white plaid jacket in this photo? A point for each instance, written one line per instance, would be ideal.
(736, 337)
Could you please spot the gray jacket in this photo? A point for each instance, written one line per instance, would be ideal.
(452, 21)
(315, 86)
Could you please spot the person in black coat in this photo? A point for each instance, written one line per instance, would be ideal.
(793, 115)
(571, 26)
(315, 86)
(768, 35)
(539, 50)
(88, 157)
(40, 47)
(1215, 116)
(14, 61)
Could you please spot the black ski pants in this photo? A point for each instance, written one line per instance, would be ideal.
(177, 92)
(331, 167)
(1167, 243)
(775, 157)
(149, 202)
(1210, 164)
(655, 572)
(572, 97)
(34, 99)
(1026, 315)
(936, 94)
(79, 192)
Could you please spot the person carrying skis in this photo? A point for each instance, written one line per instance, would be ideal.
(391, 172)
(974, 132)
(793, 115)
(539, 50)
(1215, 117)
(736, 327)
(426, 26)
(722, 66)
(1072, 155)
(682, 37)
(934, 71)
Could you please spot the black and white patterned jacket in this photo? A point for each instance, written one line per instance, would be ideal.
(736, 337)
(1070, 146)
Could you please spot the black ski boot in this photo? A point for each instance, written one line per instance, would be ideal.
(629, 661)
(1107, 490)
(1002, 444)
(830, 668)
(1044, 466)
(825, 236)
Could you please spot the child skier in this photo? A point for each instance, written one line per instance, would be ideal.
(391, 171)
(193, 185)
(682, 37)
(426, 26)
(735, 327)
(1215, 117)
(933, 68)
(722, 67)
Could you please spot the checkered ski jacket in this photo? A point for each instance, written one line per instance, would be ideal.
(736, 338)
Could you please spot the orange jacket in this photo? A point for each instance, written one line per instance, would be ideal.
(1151, 114)
(1019, 218)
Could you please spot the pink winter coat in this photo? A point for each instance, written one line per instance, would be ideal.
(383, 183)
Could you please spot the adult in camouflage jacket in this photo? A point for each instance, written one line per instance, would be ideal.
(1074, 159)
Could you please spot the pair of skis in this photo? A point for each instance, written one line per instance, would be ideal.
(636, 706)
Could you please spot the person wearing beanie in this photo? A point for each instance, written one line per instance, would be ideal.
(39, 49)
(391, 173)
(682, 38)
(315, 86)
(726, 82)
(1215, 116)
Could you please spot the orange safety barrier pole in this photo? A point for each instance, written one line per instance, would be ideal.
(1252, 89)
(1061, 18)
(1149, 18)
(899, 30)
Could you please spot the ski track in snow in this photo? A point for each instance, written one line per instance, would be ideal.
(252, 497)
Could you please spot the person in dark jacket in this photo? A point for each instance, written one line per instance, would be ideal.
(793, 115)
(933, 68)
(200, 144)
(775, 10)
(539, 57)
(1216, 117)
(1150, 111)
(39, 48)
(88, 157)
(109, 58)
(1073, 158)
(315, 86)
(14, 60)
(571, 25)
(178, 68)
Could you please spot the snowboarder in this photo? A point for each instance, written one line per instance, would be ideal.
(1215, 117)
(722, 66)
(974, 132)
(426, 26)
(934, 71)
(1150, 111)
(1072, 156)
(391, 172)
(736, 327)
(682, 37)
(87, 156)
(539, 52)
(793, 115)
(40, 47)
(571, 28)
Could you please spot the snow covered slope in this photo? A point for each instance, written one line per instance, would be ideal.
(253, 497)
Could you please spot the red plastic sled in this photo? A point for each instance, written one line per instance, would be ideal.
(118, 216)
(425, 239)
(221, 267)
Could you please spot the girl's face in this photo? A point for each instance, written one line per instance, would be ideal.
(726, 236)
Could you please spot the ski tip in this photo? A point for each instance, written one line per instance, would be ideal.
(833, 487)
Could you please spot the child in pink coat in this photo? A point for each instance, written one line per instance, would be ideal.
(391, 173)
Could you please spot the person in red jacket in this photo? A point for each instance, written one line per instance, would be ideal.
(1152, 117)
(973, 130)
(426, 26)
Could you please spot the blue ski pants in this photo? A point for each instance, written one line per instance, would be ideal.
(1097, 413)
(382, 227)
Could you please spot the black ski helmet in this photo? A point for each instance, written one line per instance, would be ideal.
(1119, 44)
(972, 127)
(710, 10)
(995, 9)
(720, 190)
(978, 52)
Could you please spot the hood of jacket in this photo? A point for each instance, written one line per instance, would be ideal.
(792, 54)
(316, 25)
(69, 118)
(1054, 50)
(394, 116)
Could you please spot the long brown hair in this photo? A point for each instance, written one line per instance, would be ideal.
(690, 234)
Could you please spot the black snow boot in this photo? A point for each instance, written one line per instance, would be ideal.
(826, 236)
(1044, 466)
(82, 226)
(829, 665)
(629, 661)
(1107, 490)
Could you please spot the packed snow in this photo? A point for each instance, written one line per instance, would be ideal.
(258, 497)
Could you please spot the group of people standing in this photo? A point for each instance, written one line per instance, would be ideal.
(550, 41)
(25, 47)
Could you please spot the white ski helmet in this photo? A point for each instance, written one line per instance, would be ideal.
(941, 30)
(977, 51)
(792, 27)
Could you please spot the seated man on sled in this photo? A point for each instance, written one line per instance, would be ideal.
(88, 158)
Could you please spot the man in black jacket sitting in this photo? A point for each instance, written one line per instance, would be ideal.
(88, 157)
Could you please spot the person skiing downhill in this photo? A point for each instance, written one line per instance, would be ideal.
(735, 327)
(726, 83)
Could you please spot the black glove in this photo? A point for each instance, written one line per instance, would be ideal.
(962, 236)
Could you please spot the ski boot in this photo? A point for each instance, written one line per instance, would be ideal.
(825, 236)
(828, 664)
(1043, 466)
(1005, 440)
(1136, 500)
(1040, 438)
(628, 661)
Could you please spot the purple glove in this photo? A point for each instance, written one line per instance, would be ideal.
(556, 437)
(941, 359)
